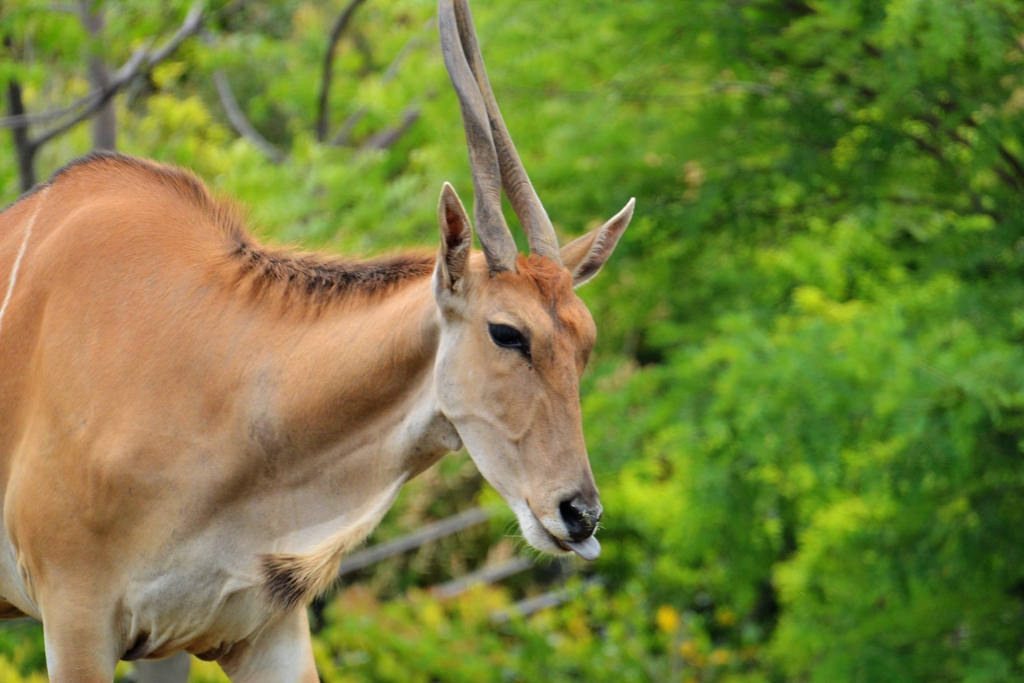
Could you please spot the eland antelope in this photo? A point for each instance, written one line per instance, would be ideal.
(195, 428)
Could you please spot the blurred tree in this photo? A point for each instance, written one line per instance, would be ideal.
(98, 103)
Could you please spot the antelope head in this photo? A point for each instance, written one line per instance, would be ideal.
(514, 336)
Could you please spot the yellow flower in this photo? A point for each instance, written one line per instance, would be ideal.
(668, 619)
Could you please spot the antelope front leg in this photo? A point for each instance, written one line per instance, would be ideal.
(281, 653)
(80, 647)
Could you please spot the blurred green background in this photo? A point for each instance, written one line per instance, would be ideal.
(806, 408)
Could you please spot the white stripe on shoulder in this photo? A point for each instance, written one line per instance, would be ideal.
(21, 255)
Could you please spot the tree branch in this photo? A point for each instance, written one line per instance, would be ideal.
(193, 22)
(425, 534)
(239, 120)
(94, 101)
(345, 134)
(1007, 178)
(328, 71)
(931, 149)
(142, 62)
(389, 136)
(489, 574)
(24, 120)
(1013, 161)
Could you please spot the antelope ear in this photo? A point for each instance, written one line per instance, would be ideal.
(456, 242)
(585, 255)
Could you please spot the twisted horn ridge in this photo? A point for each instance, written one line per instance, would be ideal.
(534, 219)
(495, 237)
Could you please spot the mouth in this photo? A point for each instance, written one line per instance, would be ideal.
(538, 535)
(589, 548)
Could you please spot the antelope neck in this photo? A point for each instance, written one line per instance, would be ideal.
(342, 408)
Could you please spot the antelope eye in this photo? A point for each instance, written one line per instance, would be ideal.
(508, 337)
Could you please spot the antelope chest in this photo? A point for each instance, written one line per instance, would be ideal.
(204, 598)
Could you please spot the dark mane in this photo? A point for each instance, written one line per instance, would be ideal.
(323, 277)
(260, 267)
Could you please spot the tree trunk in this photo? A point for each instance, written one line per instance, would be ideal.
(104, 123)
(23, 146)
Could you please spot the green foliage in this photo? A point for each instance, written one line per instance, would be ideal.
(805, 408)
(595, 638)
(21, 652)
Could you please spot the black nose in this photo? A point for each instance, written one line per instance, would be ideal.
(580, 519)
